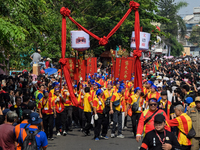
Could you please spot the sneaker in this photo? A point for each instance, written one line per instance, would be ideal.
(125, 127)
(52, 139)
(112, 135)
(111, 123)
(96, 139)
(84, 132)
(64, 133)
(105, 137)
(58, 134)
(120, 136)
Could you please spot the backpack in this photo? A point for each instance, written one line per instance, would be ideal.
(135, 105)
(30, 141)
(107, 102)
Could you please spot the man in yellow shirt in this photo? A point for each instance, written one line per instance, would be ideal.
(136, 98)
(118, 101)
(87, 111)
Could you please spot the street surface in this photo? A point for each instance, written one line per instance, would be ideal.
(75, 140)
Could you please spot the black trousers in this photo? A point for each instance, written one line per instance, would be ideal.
(75, 115)
(102, 120)
(82, 119)
(183, 147)
(48, 124)
(135, 119)
(125, 121)
(60, 118)
(88, 126)
(68, 111)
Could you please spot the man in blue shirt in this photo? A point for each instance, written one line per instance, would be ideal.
(41, 138)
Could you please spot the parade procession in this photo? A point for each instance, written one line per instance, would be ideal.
(98, 92)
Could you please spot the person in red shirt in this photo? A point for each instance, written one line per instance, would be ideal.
(47, 111)
(60, 112)
(47, 63)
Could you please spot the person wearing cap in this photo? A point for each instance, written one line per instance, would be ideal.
(47, 112)
(149, 115)
(36, 57)
(38, 95)
(25, 117)
(88, 104)
(55, 85)
(47, 63)
(7, 137)
(68, 107)
(100, 119)
(95, 88)
(152, 94)
(194, 114)
(166, 105)
(117, 111)
(159, 138)
(116, 86)
(60, 112)
(136, 98)
(184, 124)
(147, 88)
(33, 123)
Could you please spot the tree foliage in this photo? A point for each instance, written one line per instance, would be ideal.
(169, 10)
(195, 36)
(28, 25)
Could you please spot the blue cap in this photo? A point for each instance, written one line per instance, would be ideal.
(150, 82)
(98, 92)
(55, 83)
(75, 86)
(189, 100)
(136, 89)
(120, 89)
(45, 91)
(5, 111)
(109, 83)
(34, 118)
(92, 81)
(103, 77)
(155, 87)
(97, 84)
(132, 78)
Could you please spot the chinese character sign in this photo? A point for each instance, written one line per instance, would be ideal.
(126, 69)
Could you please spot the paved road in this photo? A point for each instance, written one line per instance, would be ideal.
(75, 140)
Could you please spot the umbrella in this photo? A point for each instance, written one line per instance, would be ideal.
(50, 71)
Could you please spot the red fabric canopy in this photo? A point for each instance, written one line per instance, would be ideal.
(65, 12)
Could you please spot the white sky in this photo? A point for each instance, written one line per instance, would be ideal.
(189, 9)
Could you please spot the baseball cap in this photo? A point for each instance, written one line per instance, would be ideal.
(26, 113)
(164, 93)
(34, 118)
(159, 118)
(197, 99)
(5, 111)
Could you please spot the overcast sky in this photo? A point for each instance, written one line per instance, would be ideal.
(189, 9)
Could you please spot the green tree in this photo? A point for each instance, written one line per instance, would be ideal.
(169, 10)
(38, 25)
(195, 36)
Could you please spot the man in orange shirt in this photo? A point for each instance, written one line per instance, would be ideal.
(47, 111)
(100, 119)
(60, 112)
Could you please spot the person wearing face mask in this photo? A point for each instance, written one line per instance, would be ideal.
(146, 120)
(100, 119)
(159, 138)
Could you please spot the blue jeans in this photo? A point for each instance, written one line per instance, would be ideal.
(117, 118)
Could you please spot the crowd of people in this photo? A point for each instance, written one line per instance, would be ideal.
(165, 111)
